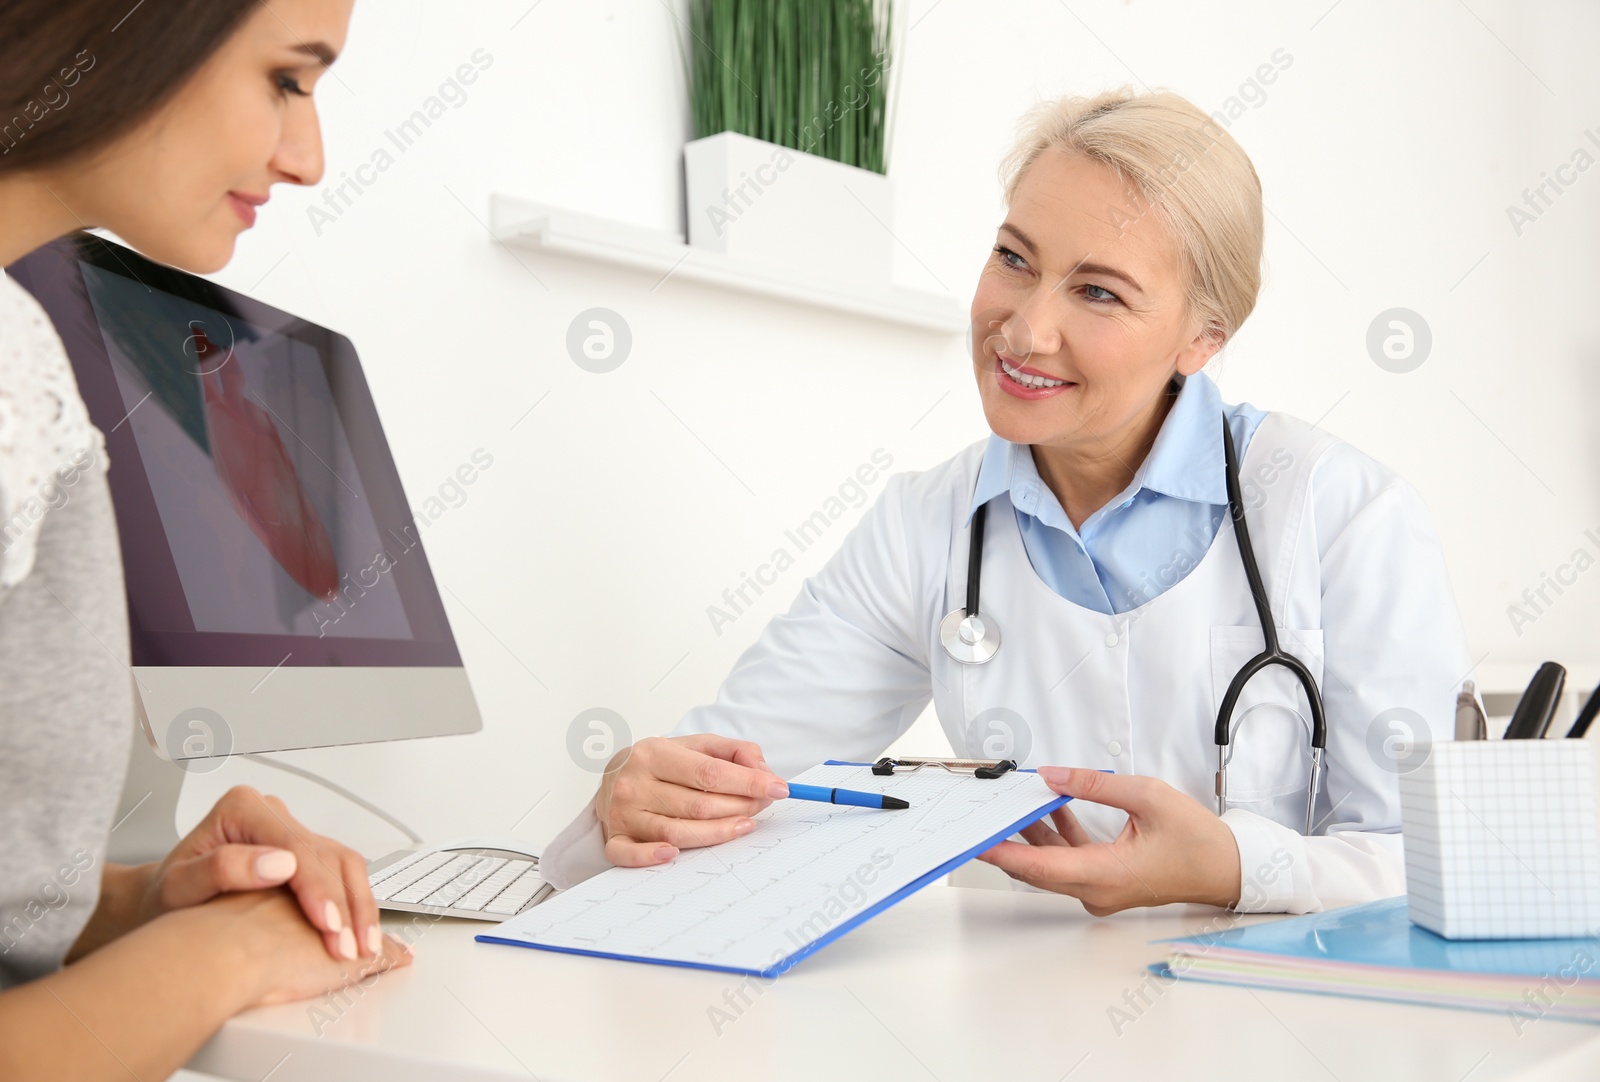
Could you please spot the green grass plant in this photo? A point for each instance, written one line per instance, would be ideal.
(812, 75)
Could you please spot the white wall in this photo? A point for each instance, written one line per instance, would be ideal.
(581, 564)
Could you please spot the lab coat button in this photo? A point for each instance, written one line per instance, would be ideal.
(1114, 748)
(1111, 638)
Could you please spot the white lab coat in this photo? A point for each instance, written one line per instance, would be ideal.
(1358, 590)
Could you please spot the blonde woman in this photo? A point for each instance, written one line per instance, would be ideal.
(1113, 575)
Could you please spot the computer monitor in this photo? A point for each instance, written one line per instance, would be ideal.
(278, 593)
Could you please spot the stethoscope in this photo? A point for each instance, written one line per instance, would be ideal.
(973, 639)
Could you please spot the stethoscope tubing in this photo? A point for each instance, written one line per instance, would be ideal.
(975, 558)
(1273, 654)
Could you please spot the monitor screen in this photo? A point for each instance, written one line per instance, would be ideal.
(261, 517)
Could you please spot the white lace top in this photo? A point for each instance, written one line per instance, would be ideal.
(45, 435)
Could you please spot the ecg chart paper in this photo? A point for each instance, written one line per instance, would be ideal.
(808, 873)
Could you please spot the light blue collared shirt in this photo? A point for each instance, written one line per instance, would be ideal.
(1150, 536)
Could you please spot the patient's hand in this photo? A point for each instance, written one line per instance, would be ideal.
(663, 795)
(281, 957)
(250, 841)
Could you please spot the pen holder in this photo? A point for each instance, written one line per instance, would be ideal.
(1501, 840)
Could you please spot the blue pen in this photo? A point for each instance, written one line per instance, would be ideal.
(847, 796)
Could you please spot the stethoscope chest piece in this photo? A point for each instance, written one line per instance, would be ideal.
(971, 640)
(968, 636)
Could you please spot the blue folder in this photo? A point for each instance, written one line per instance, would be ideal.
(832, 933)
(1373, 951)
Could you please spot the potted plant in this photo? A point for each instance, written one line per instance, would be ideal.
(788, 163)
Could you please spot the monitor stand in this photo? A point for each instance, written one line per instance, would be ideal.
(145, 827)
(146, 824)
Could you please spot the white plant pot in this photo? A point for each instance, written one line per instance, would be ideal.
(758, 202)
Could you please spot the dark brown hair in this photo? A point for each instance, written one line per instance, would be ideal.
(76, 74)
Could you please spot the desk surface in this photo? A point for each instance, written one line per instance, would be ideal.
(952, 984)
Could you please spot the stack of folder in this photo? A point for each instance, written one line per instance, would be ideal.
(1373, 951)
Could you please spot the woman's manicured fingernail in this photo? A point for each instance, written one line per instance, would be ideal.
(665, 853)
(374, 940)
(744, 826)
(347, 944)
(1056, 775)
(275, 866)
(777, 790)
(331, 918)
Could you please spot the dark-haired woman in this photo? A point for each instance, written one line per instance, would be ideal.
(168, 124)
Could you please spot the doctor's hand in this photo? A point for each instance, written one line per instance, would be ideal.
(666, 794)
(1173, 849)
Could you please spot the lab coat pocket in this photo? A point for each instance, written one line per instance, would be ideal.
(1271, 725)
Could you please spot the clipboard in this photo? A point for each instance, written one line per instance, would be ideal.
(760, 904)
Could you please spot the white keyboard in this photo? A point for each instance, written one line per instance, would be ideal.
(483, 884)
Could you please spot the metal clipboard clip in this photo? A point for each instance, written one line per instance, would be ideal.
(978, 768)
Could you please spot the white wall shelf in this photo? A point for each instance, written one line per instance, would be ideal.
(522, 223)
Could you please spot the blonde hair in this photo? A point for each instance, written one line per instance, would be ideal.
(1185, 168)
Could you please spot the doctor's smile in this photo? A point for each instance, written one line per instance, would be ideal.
(1027, 382)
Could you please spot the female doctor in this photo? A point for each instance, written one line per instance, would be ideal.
(1112, 589)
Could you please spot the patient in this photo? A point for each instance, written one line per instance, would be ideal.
(166, 123)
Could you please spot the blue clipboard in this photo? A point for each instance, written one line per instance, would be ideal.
(832, 933)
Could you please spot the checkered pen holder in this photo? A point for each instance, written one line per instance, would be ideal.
(1501, 839)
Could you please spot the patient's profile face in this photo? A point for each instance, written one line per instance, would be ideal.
(184, 184)
(1081, 315)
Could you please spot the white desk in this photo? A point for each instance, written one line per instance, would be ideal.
(952, 984)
